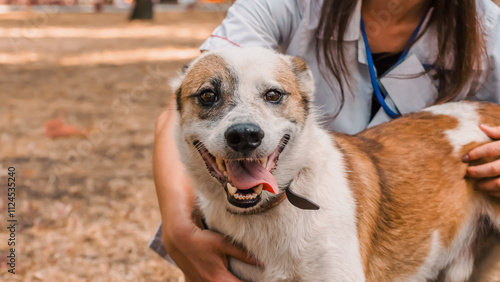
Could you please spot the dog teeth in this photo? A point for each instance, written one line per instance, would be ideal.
(220, 164)
(232, 190)
(239, 196)
(263, 161)
(258, 189)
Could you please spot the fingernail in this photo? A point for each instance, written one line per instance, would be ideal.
(465, 158)
(483, 125)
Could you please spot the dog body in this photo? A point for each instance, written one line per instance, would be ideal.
(394, 204)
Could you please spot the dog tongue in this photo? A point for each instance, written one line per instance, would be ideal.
(247, 174)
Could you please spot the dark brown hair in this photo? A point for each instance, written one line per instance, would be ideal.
(459, 33)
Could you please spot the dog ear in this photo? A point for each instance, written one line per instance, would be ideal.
(176, 81)
(303, 75)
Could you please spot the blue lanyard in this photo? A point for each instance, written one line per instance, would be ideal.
(373, 76)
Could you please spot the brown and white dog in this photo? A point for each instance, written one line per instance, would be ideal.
(394, 203)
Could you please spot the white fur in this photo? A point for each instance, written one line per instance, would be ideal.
(459, 257)
(295, 233)
(456, 261)
(429, 269)
(468, 130)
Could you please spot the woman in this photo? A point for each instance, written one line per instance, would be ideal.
(452, 50)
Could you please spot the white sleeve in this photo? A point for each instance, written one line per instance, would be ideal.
(490, 90)
(263, 23)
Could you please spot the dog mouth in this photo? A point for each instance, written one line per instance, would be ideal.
(244, 179)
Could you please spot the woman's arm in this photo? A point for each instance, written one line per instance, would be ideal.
(200, 254)
(263, 23)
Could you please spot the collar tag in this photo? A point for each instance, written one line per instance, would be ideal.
(300, 201)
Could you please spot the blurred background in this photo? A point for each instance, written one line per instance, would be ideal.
(80, 90)
(81, 86)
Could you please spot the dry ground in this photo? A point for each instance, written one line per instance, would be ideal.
(86, 205)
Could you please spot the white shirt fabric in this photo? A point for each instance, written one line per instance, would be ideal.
(289, 26)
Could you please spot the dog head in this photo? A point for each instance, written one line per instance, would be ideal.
(239, 110)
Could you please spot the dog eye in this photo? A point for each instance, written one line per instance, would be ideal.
(273, 96)
(208, 98)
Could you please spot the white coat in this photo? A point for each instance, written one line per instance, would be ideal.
(289, 26)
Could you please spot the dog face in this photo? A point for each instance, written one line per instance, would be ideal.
(239, 109)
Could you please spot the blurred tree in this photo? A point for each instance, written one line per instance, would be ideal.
(98, 6)
(142, 10)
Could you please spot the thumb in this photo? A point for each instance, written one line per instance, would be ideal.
(238, 253)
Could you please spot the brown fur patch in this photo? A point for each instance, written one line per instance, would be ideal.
(296, 107)
(490, 114)
(361, 173)
(407, 183)
(209, 73)
(299, 65)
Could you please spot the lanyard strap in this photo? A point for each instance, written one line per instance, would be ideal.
(371, 67)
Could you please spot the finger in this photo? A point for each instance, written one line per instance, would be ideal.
(491, 169)
(238, 253)
(491, 131)
(487, 150)
(491, 186)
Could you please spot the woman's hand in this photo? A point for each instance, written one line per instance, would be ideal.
(200, 254)
(489, 171)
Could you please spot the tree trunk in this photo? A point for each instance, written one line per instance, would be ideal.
(143, 10)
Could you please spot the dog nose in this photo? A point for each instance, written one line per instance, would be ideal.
(244, 138)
